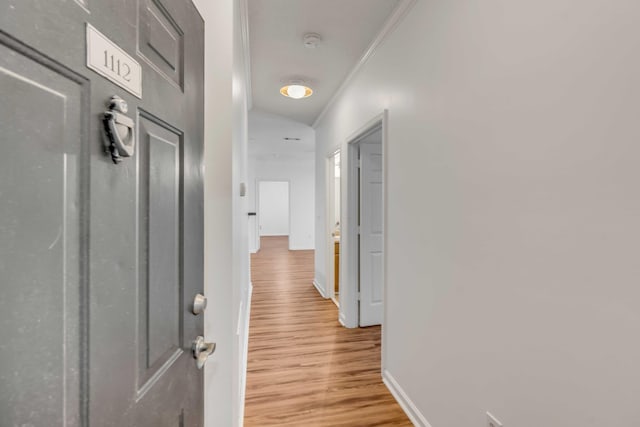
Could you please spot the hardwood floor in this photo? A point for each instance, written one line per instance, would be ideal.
(304, 368)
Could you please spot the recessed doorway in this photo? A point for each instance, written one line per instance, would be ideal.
(362, 281)
(273, 208)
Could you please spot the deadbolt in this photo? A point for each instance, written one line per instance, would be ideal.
(199, 304)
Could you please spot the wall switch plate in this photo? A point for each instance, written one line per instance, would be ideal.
(493, 421)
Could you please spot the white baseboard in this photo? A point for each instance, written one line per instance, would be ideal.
(320, 289)
(245, 355)
(341, 319)
(403, 400)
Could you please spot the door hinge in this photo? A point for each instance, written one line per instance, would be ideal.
(358, 296)
(360, 163)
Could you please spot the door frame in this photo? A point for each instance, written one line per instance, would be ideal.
(349, 247)
(258, 181)
(329, 224)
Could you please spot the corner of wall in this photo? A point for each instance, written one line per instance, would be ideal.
(403, 400)
(320, 288)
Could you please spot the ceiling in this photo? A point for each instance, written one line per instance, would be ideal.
(278, 54)
(267, 133)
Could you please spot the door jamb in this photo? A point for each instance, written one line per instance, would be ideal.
(256, 195)
(349, 257)
(330, 210)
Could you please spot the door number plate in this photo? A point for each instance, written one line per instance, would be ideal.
(109, 60)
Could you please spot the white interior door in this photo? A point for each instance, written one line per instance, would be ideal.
(371, 234)
(273, 208)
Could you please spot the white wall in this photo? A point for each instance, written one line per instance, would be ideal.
(513, 225)
(273, 208)
(299, 171)
(226, 271)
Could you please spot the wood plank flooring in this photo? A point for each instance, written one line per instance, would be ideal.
(304, 368)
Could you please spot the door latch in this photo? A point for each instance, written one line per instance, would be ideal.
(202, 350)
(119, 132)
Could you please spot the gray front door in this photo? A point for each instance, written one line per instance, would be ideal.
(100, 262)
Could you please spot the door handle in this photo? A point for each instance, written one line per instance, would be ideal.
(119, 130)
(202, 350)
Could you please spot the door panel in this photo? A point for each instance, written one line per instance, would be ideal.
(110, 256)
(161, 41)
(163, 307)
(39, 239)
(371, 233)
(160, 284)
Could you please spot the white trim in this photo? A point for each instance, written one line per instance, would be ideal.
(349, 207)
(385, 249)
(405, 403)
(391, 23)
(256, 199)
(245, 355)
(349, 256)
(330, 193)
(246, 51)
(368, 128)
(341, 319)
(335, 301)
(319, 288)
(328, 226)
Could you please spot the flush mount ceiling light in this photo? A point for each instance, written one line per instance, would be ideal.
(296, 91)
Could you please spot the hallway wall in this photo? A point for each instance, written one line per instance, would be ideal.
(512, 209)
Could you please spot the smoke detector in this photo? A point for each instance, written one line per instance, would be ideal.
(311, 40)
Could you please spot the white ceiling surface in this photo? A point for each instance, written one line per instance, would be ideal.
(267, 132)
(277, 52)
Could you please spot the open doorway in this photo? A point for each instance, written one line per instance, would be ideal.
(362, 241)
(333, 227)
(273, 208)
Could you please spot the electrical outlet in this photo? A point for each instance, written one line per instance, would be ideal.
(493, 421)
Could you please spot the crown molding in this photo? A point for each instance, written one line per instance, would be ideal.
(246, 50)
(390, 24)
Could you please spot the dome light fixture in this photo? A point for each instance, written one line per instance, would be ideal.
(296, 91)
